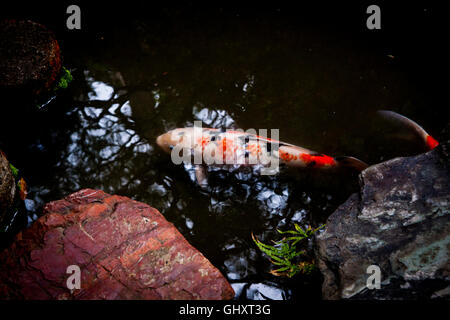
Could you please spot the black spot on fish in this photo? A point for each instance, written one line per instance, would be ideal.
(171, 147)
(213, 138)
(246, 139)
(223, 129)
(268, 147)
(247, 153)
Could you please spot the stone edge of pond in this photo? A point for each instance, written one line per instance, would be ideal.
(398, 221)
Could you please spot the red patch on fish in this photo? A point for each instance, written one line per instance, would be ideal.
(228, 148)
(431, 142)
(203, 141)
(317, 161)
(285, 156)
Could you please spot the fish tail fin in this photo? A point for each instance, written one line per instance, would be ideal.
(351, 162)
(392, 116)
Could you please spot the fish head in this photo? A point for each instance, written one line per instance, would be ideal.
(170, 139)
(167, 140)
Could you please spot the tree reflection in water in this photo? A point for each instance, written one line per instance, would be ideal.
(109, 147)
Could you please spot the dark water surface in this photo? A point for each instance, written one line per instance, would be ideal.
(139, 77)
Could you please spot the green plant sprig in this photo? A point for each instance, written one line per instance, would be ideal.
(65, 79)
(284, 252)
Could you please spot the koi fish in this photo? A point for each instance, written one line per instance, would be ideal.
(240, 148)
(219, 147)
(428, 141)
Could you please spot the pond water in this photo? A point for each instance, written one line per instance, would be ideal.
(137, 80)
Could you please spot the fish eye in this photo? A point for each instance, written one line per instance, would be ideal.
(171, 147)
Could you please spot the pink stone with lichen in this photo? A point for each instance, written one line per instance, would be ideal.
(124, 248)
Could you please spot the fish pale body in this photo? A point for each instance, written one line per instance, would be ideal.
(217, 147)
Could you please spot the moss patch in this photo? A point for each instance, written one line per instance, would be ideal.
(65, 79)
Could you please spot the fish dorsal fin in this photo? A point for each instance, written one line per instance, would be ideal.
(200, 176)
(271, 141)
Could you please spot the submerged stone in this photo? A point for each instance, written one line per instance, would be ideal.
(30, 60)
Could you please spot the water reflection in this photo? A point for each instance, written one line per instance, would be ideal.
(261, 291)
(106, 151)
(213, 118)
(108, 146)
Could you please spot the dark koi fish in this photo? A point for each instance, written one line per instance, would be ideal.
(428, 141)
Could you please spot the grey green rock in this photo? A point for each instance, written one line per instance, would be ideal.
(399, 221)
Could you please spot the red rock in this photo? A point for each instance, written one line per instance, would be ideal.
(125, 250)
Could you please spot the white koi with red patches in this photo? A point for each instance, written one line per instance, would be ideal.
(236, 147)
(217, 147)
